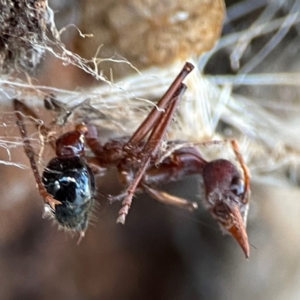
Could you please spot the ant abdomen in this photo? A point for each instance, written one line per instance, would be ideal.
(70, 181)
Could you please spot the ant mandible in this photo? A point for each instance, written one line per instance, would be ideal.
(68, 186)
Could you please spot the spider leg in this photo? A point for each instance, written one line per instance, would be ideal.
(170, 199)
(27, 111)
(115, 198)
(95, 167)
(19, 108)
(149, 151)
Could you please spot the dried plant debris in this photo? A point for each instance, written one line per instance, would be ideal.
(22, 26)
(149, 32)
(249, 106)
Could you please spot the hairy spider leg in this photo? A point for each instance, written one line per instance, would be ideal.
(19, 108)
(149, 150)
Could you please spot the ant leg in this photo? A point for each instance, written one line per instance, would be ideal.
(176, 164)
(48, 199)
(156, 112)
(170, 199)
(149, 151)
(152, 119)
(246, 172)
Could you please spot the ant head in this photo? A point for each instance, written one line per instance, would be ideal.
(227, 199)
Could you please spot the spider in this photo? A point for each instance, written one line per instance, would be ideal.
(67, 184)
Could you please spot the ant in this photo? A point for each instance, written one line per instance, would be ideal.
(67, 184)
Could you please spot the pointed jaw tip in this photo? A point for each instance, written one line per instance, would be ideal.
(238, 230)
(242, 239)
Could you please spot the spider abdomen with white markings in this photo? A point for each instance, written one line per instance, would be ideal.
(70, 181)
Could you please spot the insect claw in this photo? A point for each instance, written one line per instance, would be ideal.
(123, 212)
(48, 198)
(111, 199)
(52, 202)
(121, 219)
(81, 236)
(47, 211)
(194, 205)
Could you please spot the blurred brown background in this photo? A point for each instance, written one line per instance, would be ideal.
(161, 252)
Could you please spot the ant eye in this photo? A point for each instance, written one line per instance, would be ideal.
(237, 186)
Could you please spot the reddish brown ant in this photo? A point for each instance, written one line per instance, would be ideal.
(67, 184)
